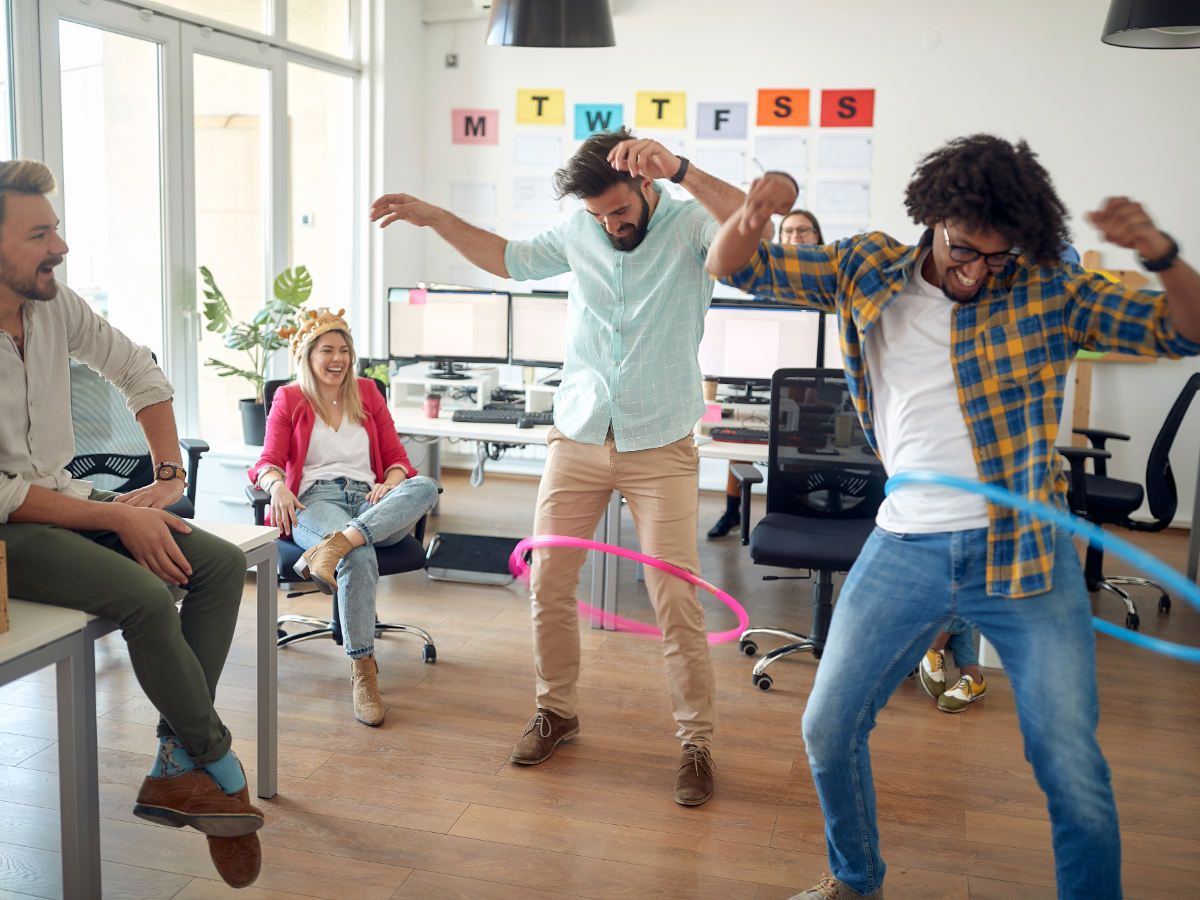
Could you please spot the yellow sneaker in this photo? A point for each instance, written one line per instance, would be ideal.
(933, 673)
(962, 695)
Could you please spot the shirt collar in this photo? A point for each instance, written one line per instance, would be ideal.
(660, 210)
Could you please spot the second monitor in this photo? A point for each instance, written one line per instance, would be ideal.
(539, 329)
(448, 327)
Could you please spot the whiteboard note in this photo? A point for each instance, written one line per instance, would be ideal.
(844, 198)
(836, 231)
(534, 192)
(845, 152)
(782, 153)
(473, 197)
(727, 164)
(527, 231)
(537, 151)
(751, 347)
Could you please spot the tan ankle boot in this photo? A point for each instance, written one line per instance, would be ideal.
(368, 705)
(323, 559)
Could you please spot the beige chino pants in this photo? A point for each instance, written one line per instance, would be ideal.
(661, 488)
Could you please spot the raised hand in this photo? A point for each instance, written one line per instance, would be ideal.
(1125, 223)
(402, 207)
(644, 158)
(773, 194)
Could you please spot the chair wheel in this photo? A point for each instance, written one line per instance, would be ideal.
(1132, 621)
(429, 654)
(763, 682)
(1164, 603)
(748, 647)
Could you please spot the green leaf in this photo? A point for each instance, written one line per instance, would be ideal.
(218, 313)
(293, 287)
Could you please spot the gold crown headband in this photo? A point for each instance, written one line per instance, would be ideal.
(312, 324)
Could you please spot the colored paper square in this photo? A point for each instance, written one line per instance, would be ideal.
(721, 121)
(783, 108)
(661, 109)
(537, 106)
(712, 412)
(474, 126)
(591, 118)
(847, 109)
(416, 297)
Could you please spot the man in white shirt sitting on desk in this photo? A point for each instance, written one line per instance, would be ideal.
(112, 555)
(629, 399)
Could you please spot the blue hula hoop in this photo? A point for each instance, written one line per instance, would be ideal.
(1095, 535)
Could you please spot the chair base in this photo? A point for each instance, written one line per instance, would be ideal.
(324, 628)
(814, 641)
(1132, 620)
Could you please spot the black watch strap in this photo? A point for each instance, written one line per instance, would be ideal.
(1163, 262)
(682, 173)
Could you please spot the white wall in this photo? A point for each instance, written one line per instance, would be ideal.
(1104, 120)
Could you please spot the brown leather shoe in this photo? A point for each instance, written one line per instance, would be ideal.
(323, 559)
(545, 731)
(368, 705)
(238, 860)
(694, 783)
(195, 799)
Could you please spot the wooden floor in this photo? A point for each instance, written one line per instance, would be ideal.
(428, 806)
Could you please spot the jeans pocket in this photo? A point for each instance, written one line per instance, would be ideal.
(894, 535)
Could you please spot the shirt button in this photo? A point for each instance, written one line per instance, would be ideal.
(620, 299)
(614, 398)
(618, 265)
(618, 331)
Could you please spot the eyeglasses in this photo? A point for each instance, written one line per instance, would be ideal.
(969, 254)
(798, 231)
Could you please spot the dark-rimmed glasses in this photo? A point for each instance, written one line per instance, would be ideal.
(969, 254)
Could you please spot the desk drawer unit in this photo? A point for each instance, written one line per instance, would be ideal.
(221, 488)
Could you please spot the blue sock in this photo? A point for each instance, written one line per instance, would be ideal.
(172, 759)
(227, 773)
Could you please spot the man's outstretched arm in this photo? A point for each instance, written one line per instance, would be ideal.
(481, 248)
(737, 241)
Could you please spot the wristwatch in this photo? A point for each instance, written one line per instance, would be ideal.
(168, 471)
(682, 173)
(1165, 261)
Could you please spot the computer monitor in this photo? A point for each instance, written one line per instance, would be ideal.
(448, 326)
(539, 329)
(745, 343)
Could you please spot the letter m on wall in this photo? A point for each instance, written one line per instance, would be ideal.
(474, 126)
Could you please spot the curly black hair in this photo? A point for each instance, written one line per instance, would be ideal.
(982, 181)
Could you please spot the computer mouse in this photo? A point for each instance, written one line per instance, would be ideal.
(524, 421)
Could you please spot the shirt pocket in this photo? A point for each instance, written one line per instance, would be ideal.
(1016, 351)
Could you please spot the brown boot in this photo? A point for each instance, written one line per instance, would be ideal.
(545, 731)
(694, 783)
(368, 705)
(323, 559)
(237, 859)
(194, 798)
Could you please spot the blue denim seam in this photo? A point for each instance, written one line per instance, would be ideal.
(359, 654)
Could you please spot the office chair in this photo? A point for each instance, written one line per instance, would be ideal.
(1110, 501)
(110, 448)
(824, 486)
(406, 555)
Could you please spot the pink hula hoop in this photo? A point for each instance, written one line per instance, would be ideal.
(517, 565)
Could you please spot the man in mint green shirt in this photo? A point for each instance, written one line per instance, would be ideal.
(629, 399)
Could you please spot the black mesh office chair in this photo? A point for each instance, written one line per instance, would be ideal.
(824, 486)
(110, 448)
(406, 555)
(1110, 501)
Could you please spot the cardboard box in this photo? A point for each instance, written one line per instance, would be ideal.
(3, 589)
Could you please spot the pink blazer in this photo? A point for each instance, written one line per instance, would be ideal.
(290, 425)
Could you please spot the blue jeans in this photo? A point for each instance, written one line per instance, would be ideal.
(902, 590)
(961, 643)
(342, 503)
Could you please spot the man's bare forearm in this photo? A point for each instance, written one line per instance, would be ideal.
(732, 250)
(481, 248)
(158, 424)
(720, 198)
(46, 507)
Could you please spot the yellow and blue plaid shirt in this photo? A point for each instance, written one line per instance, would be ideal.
(1011, 349)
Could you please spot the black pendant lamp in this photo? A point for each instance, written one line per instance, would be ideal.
(551, 23)
(1153, 24)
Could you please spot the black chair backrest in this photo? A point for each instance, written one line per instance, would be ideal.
(271, 387)
(820, 464)
(1160, 480)
(110, 448)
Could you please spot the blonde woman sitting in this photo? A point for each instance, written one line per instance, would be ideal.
(340, 484)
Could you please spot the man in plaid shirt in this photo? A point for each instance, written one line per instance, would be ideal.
(957, 350)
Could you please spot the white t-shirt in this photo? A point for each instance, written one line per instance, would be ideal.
(919, 422)
(345, 453)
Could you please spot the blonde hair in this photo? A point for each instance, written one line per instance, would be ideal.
(348, 396)
(24, 176)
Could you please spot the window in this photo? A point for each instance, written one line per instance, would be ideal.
(249, 14)
(320, 24)
(8, 143)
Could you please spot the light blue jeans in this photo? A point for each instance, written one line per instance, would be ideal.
(902, 590)
(342, 503)
(961, 643)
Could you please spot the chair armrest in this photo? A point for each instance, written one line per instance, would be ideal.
(747, 476)
(1098, 436)
(260, 499)
(419, 529)
(1078, 457)
(194, 447)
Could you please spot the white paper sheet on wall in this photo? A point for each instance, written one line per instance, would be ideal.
(534, 192)
(844, 198)
(845, 152)
(525, 231)
(473, 198)
(751, 345)
(537, 151)
(835, 231)
(727, 164)
(784, 153)
(467, 275)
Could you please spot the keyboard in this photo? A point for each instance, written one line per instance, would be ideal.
(740, 435)
(502, 416)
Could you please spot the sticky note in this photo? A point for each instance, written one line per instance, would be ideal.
(474, 126)
(593, 117)
(712, 412)
(416, 297)
(536, 106)
(783, 107)
(661, 109)
(847, 109)
(721, 121)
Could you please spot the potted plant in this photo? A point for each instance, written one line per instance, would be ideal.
(256, 338)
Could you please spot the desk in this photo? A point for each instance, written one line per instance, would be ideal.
(411, 420)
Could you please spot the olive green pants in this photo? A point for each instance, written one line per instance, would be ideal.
(177, 655)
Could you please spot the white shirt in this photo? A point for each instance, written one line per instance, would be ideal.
(345, 453)
(919, 422)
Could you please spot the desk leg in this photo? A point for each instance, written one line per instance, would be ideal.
(599, 569)
(268, 671)
(611, 560)
(78, 778)
(434, 449)
(1193, 562)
